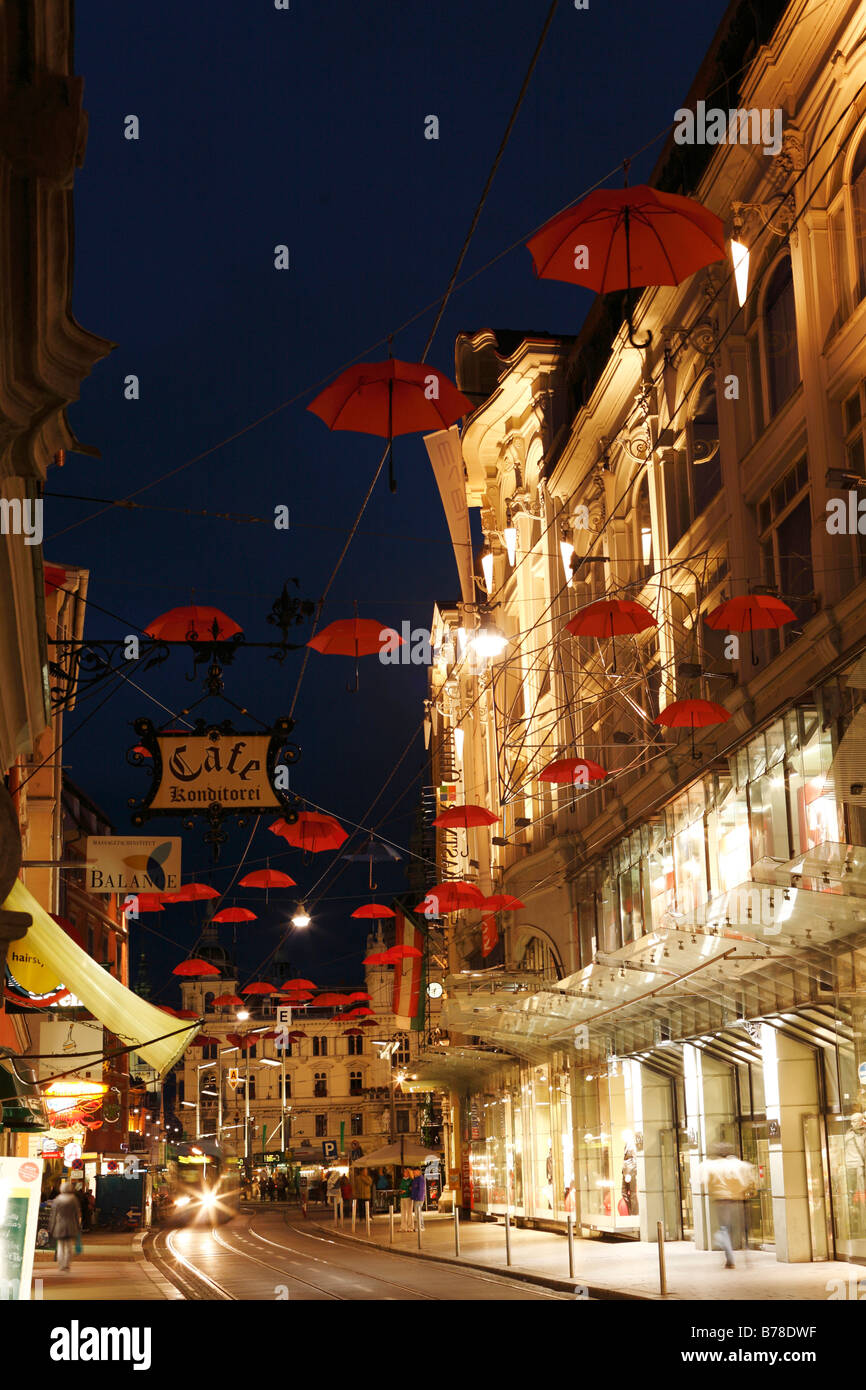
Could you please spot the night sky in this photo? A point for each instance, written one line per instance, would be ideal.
(260, 127)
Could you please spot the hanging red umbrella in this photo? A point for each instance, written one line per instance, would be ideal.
(312, 832)
(358, 996)
(195, 967)
(633, 237)
(503, 902)
(388, 399)
(750, 613)
(611, 617)
(186, 1013)
(378, 958)
(358, 1013)
(234, 914)
(397, 953)
(374, 910)
(166, 1009)
(462, 817)
(259, 987)
(299, 984)
(692, 714)
(191, 893)
(226, 1001)
(352, 1033)
(355, 637)
(203, 1040)
(297, 1035)
(453, 895)
(574, 770)
(267, 878)
(143, 902)
(329, 1001)
(193, 624)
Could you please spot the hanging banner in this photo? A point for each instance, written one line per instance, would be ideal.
(446, 458)
(408, 1002)
(132, 864)
(20, 1191)
(489, 935)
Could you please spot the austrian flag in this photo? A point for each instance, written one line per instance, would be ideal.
(408, 1005)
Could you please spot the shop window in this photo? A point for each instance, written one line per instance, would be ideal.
(785, 527)
(320, 1045)
(356, 1125)
(356, 1046)
(320, 1085)
(781, 355)
(356, 1083)
(693, 477)
(402, 1117)
(321, 1126)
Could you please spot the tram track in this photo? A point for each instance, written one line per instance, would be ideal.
(192, 1282)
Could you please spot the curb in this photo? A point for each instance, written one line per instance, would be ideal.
(549, 1281)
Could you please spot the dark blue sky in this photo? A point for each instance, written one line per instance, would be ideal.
(306, 127)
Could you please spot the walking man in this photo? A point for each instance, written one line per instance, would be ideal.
(65, 1224)
(418, 1193)
(728, 1180)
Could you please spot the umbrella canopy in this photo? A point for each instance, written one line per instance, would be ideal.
(299, 984)
(358, 995)
(259, 987)
(451, 896)
(143, 902)
(267, 878)
(404, 1151)
(225, 1001)
(750, 613)
(234, 914)
(379, 958)
(692, 714)
(374, 910)
(311, 831)
(297, 1034)
(354, 637)
(633, 236)
(577, 770)
(191, 893)
(203, 1040)
(397, 953)
(328, 1001)
(503, 902)
(611, 617)
(193, 624)
(186, 1013)
(390, 398)
(352, 1033)
(462, 817)
(358, 1013)
(375, 851)
(195, 967)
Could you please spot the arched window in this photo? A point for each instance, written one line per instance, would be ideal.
(858, 215)
(208, 1002)
(401, 1056)
(540, 959)
(693, 476)
(642, 531)
(781, 356)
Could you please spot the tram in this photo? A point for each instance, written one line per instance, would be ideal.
(200, 1188)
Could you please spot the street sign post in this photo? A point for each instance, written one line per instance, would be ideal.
(329, 1148)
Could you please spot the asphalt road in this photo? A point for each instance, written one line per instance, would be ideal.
(265, 1256)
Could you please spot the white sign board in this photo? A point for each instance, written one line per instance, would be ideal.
(284, 1015)
(20, 1190)
(132, 864)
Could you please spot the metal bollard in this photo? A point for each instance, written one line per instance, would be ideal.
(367, 1216)
(570, 1246)
(391, 1221)
(663, 1281)
(508, 1238)
(354, 1211)
(456, 1230)
(419, 1226)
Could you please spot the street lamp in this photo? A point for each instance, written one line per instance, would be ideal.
(301, 917)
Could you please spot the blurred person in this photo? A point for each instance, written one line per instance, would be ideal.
(334, 1191)
(418, 1193)
(728, 1180)
(406, 1222)
(363, 1185)
(65, 1224)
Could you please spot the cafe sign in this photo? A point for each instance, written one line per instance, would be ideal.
(215, 770)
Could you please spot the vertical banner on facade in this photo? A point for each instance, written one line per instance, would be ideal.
(489, 935)
(20, 1190)
(446, 457)
(407, 973)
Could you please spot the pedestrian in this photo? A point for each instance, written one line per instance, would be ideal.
(728, 1180)
(406, 1223)
(363, 1184)
(65, 1224)
(281, 1186)
(418, 1193)
(272, 1188)
(80, 1193)
(346, 1189)
(334, 1193)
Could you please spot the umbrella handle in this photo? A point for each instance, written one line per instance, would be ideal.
(392, 481)
(631, 337)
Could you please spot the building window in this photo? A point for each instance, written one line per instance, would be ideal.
(320, 1084)
(321, 1126)
(252, 1086)
(208, 1002)
(693, 477)
(401, 1056)
(858, 214)
(180, 1086)
(287, 1087)
(356, 1046)
(252, 1049)
(855, 457)
(780, 337)
(320, 1045)
(356, 1083)
(539, 958)
(402, 1120)
(356, 1124)
(785, 528)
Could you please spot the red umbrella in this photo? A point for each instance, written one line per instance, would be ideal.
(195, 967)
(299, 984)
(191, 893)
(611, 617)
(462, 817)
(311, 831)
(750, 613)
(328, 1001)
(234, 914)
(355, 637)
(358, 996)
(352, 1033)
(186, 1013)
(378, 958)
(451, 896)
(225, 1001)
(259, 987)
(267, 878)
(692, 714)
(390, 398)
(143, 902)
(376, 910)
(202, 1040)
(396, 953)
(503, 902)
(633, 236)
(193, 624)
(167, 1010)
(577, 770)
(358, 1013)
